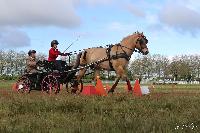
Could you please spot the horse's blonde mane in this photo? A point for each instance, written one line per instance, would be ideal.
(129, 38)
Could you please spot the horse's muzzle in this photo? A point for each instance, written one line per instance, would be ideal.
(145, 51)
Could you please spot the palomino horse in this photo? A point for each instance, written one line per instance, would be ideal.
(117, 56)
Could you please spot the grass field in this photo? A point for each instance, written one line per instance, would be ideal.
(166, 109)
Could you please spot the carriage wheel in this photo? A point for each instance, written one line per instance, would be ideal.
(23, 84)
(50, 84)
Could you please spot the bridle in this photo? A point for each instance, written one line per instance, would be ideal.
(133, 49)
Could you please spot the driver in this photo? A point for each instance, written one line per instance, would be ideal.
(53, 54)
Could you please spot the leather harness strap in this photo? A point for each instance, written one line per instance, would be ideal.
(108, 50)
(117, 56)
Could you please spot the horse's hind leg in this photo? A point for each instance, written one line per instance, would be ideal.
(81, 74)
(115, 85)
(76, 83)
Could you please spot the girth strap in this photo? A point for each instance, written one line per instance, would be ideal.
(117, 56)
(121, 55)
(109, 57)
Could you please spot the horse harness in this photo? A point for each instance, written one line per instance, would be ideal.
(117, 55)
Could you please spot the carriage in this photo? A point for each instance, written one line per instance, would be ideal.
(48, 78)
(113, 58)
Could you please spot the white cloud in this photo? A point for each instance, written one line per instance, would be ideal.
(117, 26)
(13, 38)
(152, 19)
(192, 4)
(135, 10)
(180, 17)
(99, 2)
(60, 13)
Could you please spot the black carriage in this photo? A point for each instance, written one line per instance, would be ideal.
(48, 78)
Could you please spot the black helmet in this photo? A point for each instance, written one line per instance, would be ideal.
(31, 51)
(54, 42)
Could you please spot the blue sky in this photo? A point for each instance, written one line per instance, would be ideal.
(171, 28)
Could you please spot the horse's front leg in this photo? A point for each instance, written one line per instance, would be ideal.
(128, 85)
(120, 74)
(120, 71)
(124, 76)
(117, 81)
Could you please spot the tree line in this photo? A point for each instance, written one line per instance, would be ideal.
(160, 67)
(152, 67)
(13, 63)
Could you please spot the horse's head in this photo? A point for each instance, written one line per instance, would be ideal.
(141, 43)
(136, 41)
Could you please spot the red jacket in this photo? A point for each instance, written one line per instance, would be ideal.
(53, 54)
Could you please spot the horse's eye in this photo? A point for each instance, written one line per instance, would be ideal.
(141, 41)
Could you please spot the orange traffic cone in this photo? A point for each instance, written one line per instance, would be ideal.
(99, 88)
(14, 87)
(137, 90)
(89, 90)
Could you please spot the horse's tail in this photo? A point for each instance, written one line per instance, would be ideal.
(80, 59)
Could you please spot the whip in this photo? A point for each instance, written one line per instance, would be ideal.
(72, 44)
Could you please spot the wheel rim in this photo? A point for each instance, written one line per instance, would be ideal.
(50, 84)
(23, 84)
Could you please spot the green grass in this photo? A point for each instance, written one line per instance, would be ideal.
(163, 111)
(6, 84)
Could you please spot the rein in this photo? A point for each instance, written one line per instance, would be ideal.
(126, 47)
(131, 49)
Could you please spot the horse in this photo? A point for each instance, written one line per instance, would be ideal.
(117, 57)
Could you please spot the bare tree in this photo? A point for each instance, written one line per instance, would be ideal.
(14, 63)
(2, 61)
(180, 67)
(161, 64)
(142, 66)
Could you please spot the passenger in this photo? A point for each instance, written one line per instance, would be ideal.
(31, 64)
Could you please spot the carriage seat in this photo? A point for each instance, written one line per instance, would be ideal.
(58, 65)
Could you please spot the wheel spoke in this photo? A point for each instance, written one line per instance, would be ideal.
(49, 84)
